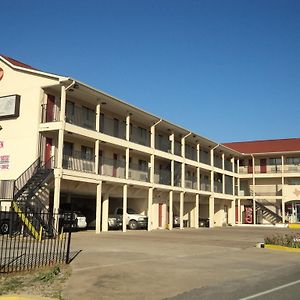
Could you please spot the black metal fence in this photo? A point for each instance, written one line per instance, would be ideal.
(21, 250)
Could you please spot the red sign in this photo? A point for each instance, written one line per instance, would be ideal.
(248, 215)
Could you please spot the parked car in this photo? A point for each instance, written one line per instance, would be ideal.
(203, 222)
(176, 221)
(8, 219)
(115, 222)
(75, 221)
(133, 219)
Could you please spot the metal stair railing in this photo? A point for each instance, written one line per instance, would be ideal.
(26, 203)
(267, 210)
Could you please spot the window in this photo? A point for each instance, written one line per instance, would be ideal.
(101, 122)
(70, 111)
(142, 133)
(275, 161)
(143, 165)
(116, 127)
(88, 116)
(293, 161)
(68, 148)
(242, 163)
(86, 153)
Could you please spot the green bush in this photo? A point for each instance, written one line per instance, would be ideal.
(287, 240)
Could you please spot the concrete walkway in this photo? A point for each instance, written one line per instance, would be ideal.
(165, 264)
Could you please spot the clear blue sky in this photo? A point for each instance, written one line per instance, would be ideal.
(229, 70)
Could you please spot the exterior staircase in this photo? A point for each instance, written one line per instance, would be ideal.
(268, 214)
(27, 203)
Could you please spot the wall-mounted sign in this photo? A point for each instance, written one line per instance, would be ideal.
(1, 144)
(4, 162)
(9, 106)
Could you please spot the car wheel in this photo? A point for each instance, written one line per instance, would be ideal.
(4, 227)
(133, 225)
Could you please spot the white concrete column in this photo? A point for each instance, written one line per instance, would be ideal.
(97, 147)
(181, 209)
(98, 207)
(212, 174)
(239, 212)
(98, 116)
(127, 163)
(197, 211)
(62, 117)
(152, 137)
(170, 210)
(254, 211)
(283, 211)
(223, 175)
(183, 175)
(172, 172)
(282, 185)
(128, 127)
(125, 190)
(63, 96)
(105, 208)
(211, 211)
(198, 179)
(172, 140)
(56, 203)
(152, 168)
(233, 214)
(150, 203)
(233, 177)
(198, 153)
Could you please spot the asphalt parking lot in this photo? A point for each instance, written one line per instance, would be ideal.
(217, 263)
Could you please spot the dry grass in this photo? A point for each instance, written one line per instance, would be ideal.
(46, 282)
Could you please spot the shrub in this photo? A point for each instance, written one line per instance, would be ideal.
(287, 240)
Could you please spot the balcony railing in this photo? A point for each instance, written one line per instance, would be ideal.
(77, 163)
(218, 187)
(205, 158)
(228, 165)
(82, 117)
(266, 190)
(292, 168)
(205, 186)
(162, 177)
(112, 126)
(112, 167)
(140, 136)
(140, 173)
(50, 113)
(191, 182)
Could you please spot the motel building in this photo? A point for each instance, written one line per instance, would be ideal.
(102, 153)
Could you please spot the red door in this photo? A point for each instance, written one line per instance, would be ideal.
(263, 165)
(50, 108)
(250, 166)
(160, 207)
(48, 149)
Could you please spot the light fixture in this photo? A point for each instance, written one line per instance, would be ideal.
(1, 127)
(103, 103)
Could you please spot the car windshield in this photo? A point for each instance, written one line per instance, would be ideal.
(130, 211)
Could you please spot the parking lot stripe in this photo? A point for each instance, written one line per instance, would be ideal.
(271, 290)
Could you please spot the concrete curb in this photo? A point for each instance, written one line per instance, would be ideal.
(24, 297)
(294, 226)
(282, 248)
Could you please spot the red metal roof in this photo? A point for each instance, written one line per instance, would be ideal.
(17, 63)
(266, 146)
